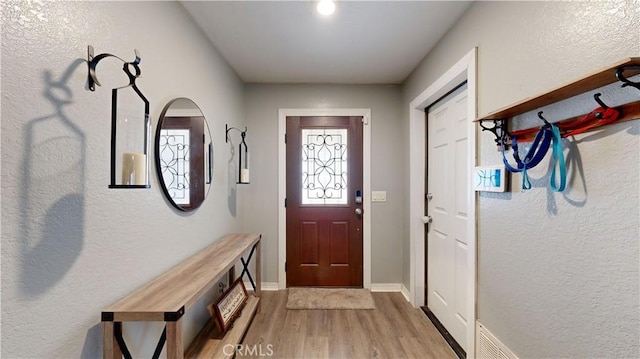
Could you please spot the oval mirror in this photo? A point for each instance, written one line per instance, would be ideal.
(184, 154)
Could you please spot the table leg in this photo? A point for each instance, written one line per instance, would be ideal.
(231, 276)
(175, 347)
(259, 272)
(110, 347)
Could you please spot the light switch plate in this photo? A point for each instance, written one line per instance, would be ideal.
(378, 196)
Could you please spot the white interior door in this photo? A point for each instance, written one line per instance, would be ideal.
(447, 233)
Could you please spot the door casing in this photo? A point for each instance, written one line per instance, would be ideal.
(366, 184)
(464, 69)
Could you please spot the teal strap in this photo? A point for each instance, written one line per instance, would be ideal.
(557, 158)
(526, 183)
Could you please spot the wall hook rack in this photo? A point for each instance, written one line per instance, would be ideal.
(499, 130)
(601, 116)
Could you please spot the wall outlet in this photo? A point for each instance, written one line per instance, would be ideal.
(378, 196)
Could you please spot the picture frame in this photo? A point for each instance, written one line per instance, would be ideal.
(229, 306)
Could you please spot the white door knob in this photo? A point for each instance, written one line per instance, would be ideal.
(427, 219)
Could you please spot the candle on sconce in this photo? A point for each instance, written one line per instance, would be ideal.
(134, 169)
(244, 175)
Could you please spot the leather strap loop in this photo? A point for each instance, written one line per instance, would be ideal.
(558, 161)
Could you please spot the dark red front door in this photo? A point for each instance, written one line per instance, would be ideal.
(324, 201)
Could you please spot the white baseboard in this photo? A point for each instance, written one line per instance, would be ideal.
(270, 286)
(375, 287)
(391, 287)
(405, 292)
(266, 286)
(385, 287)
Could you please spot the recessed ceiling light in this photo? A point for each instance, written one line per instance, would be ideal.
(326, 7)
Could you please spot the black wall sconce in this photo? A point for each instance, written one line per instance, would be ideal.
(130, 125)
(243, 161)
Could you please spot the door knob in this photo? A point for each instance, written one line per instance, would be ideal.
(427, 219)
(358, 211)
(429, 196)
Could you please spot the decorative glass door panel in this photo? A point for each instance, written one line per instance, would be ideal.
(174, 160)
(324, 166)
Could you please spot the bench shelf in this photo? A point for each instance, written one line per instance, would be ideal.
(169, 296)
(212, 344)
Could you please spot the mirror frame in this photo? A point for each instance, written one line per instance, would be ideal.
(207, 181)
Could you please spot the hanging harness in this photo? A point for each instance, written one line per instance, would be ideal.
(547, 136)
(551, 135)
(557, 160)
(536, 153)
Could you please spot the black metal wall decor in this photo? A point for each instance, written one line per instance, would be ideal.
(243, 155)
(130, 125)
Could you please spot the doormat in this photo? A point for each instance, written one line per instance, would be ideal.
(329, 298)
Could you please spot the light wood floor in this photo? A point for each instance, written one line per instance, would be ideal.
(393, 330)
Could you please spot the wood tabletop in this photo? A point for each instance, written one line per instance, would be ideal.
(180, 287)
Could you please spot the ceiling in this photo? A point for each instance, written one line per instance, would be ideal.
(363, 42)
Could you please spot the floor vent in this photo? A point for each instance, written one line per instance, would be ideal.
(488, 347)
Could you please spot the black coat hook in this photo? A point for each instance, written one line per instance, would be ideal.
(622, 78)
(499, 130)
(604, 106)
(599, 101)
(543, 119)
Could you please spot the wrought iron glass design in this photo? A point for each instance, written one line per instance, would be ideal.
(174, 163)
(324, 166)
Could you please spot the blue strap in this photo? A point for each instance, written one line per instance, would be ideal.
(514, 145)
(534, 157)
(558, 159)
(538, 150)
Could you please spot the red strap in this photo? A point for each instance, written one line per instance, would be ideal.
(596, 118)
(606, 116)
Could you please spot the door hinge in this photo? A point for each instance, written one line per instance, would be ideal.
(285, 138)
(285, 267)
(285, 203)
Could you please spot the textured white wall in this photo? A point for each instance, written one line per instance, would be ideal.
(70, 245)
(558, 274)
(260, 199)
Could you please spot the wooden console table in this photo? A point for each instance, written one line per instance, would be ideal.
(167, 297)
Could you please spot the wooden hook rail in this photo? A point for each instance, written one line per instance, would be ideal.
(627, 112)
(614, 73)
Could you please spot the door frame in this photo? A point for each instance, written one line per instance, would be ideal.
(283, 113)
(464, 69)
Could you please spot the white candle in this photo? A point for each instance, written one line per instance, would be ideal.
(134, 169)
(244, 175)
